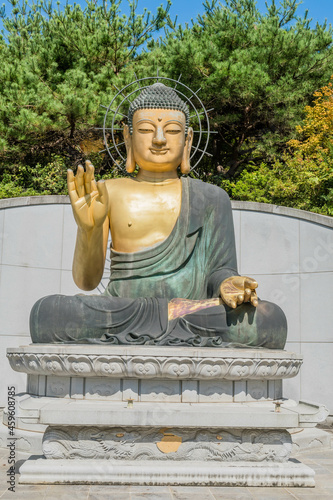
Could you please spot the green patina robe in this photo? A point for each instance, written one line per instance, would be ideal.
(193, 261)
(191, 264)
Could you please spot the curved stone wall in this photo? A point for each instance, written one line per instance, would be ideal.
(289, 252)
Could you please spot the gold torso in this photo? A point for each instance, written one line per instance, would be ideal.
(142, 213)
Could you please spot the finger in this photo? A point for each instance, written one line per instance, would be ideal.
(254, 299)
(240, 298)
(230, 302)
(102, 191)
(250, 283)
(88, 178)
(93, 185)
(90, 184)
(90, 168)
(79, 181)
(247, 294)
(71, 186)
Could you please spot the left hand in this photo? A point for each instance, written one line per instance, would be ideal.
(239, 289)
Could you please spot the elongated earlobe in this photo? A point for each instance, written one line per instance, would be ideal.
(185, 166)
(130, 160)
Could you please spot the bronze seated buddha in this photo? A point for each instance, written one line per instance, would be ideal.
(174, 278)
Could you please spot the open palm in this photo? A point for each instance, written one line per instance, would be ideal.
(239, 289)
(89, 199)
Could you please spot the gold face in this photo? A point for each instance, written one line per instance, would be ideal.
(158, 139)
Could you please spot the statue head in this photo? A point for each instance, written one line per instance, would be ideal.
(158, 137)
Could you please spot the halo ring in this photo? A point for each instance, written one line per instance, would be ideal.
(137, 90)
(188, 100)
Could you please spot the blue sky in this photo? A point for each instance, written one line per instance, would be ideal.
(319, 10)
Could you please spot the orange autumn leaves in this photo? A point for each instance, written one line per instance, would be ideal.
(317, 129)
(303, 176)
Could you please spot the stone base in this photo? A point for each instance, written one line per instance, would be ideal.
(36, 412)
(309, 439)
(26, 441)
(161, 415)
(197, 445)
(302, 440)
(154, 473)
(154, 374)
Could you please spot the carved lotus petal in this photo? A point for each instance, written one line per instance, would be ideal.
(18, 366)
(113, 366)
(210, 370)
(52, 364)
(266, 369)
(21, 363)
(149, 368)
(294, 368)
(241, 368)
(175, 369)
(15, 361)
(30, 362)
(284, 368)
(78, 365)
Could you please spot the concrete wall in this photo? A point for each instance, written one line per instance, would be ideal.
(289, 252)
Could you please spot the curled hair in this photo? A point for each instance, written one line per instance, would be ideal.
(158, 96)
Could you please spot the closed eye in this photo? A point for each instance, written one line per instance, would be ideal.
(173, 131)
(145, 130)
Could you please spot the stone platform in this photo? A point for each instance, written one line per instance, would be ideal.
(161, 415)
(159, 473)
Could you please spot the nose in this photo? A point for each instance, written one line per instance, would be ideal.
(159, 138)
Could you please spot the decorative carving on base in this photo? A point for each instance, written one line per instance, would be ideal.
(167, 444)
(157, 366)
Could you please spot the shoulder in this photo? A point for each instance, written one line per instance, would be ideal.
(118, 190)
(118, 185)
(208, 191)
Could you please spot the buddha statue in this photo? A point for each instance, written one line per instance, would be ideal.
(174, 278)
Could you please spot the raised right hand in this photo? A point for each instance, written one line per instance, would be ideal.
(89, 199)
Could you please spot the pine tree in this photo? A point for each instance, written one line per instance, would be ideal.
(58, 66)
(257, 71)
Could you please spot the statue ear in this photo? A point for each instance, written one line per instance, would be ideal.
(185, 166)
(130, 161)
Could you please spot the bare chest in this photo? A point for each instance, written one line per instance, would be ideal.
(143, 216)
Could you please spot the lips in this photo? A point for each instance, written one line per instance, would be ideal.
(159, 151)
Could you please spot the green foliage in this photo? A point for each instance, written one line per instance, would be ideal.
(50, 178)
(37, 180)
(257, 71)
(303, 177)
(58, 66)
(300, 183)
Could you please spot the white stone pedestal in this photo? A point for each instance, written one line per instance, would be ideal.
(161, 415)
(160, 473)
